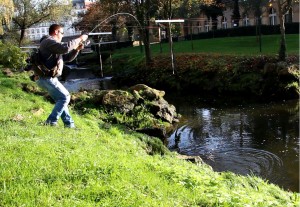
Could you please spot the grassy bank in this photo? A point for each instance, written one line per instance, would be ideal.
(247, 45)
(99, 164)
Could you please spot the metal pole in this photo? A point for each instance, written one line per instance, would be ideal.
(259, 31)
(170, 38)
(171, 48)
(192, 36)
(159, 36)
(100, 58)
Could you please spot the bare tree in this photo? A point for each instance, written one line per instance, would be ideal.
(31, 12)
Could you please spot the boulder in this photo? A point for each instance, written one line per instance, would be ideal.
(144, 107)
(146, 92)
(122, 101)
(125, 101)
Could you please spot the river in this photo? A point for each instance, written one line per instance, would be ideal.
(233, 134)
(245, 138)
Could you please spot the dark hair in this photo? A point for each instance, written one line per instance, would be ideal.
(54, 27)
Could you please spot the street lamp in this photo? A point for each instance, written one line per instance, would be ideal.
(169, 21)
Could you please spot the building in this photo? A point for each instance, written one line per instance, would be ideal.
(79, 7)
(269, 17)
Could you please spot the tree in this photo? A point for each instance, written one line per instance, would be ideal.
(143, 12)
(188, 9)
(6, 12)
(119, 13)
(101, 16)
(31, 12)
(236, 13)
(213, 10)
(254, 7)
(283, 8)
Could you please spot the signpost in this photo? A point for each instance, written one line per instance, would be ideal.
(169, 21)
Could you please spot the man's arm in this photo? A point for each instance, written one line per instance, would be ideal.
(69, 57)
(58, 48)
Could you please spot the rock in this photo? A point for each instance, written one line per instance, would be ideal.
(163, 110)
(7, 72)
(290, 72)
(146, 92)
(123, 101)
(144, 107)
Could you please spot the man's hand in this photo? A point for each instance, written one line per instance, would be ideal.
(83, 37)
(80, 47)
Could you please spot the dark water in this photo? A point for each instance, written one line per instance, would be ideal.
(259, 139)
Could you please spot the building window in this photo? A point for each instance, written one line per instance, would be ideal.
(199, 27)
(272, 16)
(224, 23)
(163, 35)
(206, 25)
(246, 21)
(288, 17)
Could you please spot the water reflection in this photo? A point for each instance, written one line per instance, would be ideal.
(260, 139)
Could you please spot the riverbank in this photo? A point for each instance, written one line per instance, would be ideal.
(262, 77)
(103, 164)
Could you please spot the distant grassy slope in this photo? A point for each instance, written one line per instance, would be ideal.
(248, 45)
(102, 165)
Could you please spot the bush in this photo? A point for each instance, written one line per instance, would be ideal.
(11, 56)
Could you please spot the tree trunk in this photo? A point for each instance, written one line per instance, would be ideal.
(21, 36)
(282, 47)
(236, 14)
(147, 35)
(147, 46)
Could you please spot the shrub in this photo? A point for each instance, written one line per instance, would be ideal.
(11, 56)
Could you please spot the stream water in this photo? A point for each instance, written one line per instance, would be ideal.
(233, 135)
(258, 139)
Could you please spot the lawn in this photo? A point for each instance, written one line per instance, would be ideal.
(248, 45)
(237, 46)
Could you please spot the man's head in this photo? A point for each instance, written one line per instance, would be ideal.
(56, 31)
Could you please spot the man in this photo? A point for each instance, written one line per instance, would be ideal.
(53, 53)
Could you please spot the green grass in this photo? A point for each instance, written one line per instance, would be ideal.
(248, 45)
(98, 164)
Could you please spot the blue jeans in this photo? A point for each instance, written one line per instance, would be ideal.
(61, 96)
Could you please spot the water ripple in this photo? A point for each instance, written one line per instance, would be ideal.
(243, 161)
